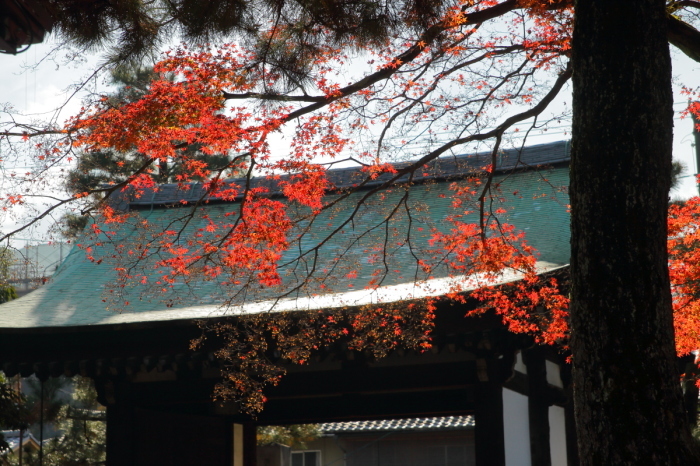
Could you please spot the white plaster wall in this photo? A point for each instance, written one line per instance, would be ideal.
(331, 452)
(553, 374)
(519, 364)
(516, 428)
(557, 436)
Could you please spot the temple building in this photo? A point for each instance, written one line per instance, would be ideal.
(158, 392)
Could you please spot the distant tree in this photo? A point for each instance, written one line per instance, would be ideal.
(677, 170)
(295, 436)
(100, 168)
(82, 423)
(7, 291)
(13, 411)
(77, 418)
(55, 392)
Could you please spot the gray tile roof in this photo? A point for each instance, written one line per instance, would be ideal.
(441, 168)
(399, 425)
(83, 293)
(12, 439)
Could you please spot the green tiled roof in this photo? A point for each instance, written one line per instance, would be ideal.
(536, 202)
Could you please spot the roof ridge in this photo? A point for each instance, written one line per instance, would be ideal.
(440, 169)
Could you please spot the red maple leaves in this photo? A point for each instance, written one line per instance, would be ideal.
(411, 86)
(684, 267)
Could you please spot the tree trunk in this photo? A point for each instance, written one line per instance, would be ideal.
(627, 391)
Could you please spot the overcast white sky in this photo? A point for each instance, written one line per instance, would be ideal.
(39, 91)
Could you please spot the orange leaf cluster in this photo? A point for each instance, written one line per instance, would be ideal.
(684, 270)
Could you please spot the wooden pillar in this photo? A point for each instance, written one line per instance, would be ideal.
(121, 441)
(238, 445)
(571, 442)
(250, 444)
(538, 406)
(488, 431)
(690, 389)
(244, 444)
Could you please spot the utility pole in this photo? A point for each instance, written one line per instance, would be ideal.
(696, 133)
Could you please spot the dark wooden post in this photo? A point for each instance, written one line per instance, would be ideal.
(538, 406)
(250, 444)
(488, 431)
(121, 442)
(690, 391)
(571, 443)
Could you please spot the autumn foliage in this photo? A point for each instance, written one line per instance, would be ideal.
(684, 265)
(245, 249)
(475, 66)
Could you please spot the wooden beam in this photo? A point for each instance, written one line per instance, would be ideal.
(372, 406)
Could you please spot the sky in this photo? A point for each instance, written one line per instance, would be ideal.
(36, 86)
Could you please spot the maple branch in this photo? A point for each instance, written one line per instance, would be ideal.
(110, 190)
(432, 155)
(36, 219)
(275, 97)
(315, 250)
(487, 186)
(499, 130)
(442, 75)
(410, 54)
(408, 170)
(25, 134)
(107, 191)
(684, 36)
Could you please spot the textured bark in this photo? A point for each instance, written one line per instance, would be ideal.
(627, 393)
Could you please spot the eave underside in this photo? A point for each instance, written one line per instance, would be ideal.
(153, 368)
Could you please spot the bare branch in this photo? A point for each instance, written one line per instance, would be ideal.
(684, 36)
(410, 54)
(274, 97)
